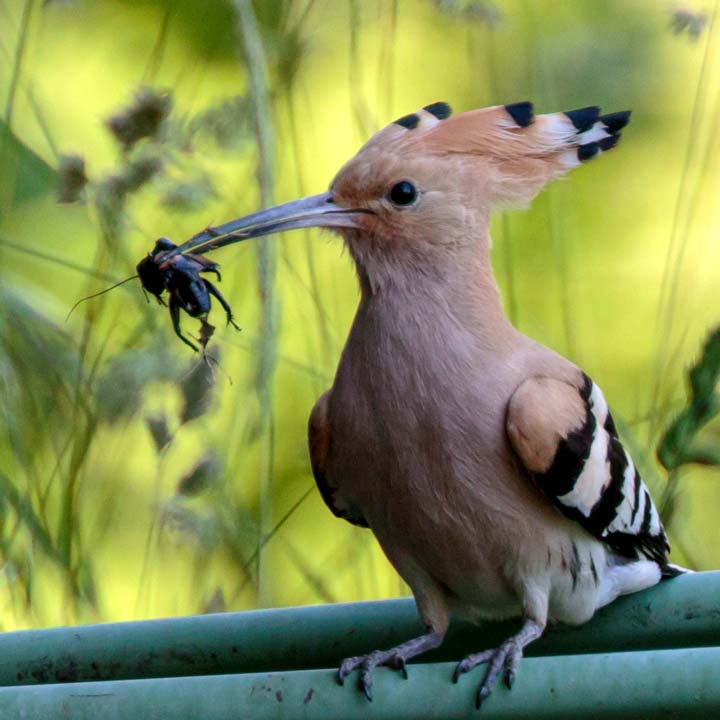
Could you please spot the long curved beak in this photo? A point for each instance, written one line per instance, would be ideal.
(313, 211)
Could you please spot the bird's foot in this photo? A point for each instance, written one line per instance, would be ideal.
(504, 659)
(393, 658)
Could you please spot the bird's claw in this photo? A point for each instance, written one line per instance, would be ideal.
(366, 681)
(505, 658)
(363, 662)
(483, 692)
(510, 676)
(465, 665)
(367, 663)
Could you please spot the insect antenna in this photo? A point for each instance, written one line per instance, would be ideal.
(102, 292)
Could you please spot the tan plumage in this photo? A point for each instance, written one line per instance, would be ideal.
(487, 465)
(541, 412)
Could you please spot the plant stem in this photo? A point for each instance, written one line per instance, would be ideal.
(17, 67)
(677, 241)
(254, 56)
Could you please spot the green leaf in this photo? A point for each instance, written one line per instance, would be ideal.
(702, 453)
(20, 503)
(678, 446)
(33, 177)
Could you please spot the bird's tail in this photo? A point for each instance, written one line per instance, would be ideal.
(668, 570)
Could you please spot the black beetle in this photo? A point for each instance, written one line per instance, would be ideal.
(179, 274)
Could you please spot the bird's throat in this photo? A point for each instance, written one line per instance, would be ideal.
(417, 300)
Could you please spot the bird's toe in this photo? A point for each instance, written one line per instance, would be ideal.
(495, 667)
(483, 692)
(367, 664)
(510, 676)
(347, 666)
(470, 662)
(512, 660)
(460, 669)
(504, 659)
(366, 681)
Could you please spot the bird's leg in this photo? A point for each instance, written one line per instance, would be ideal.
(394, 657)
(506, 658)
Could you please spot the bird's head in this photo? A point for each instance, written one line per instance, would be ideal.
(406, 193)
(428, 181)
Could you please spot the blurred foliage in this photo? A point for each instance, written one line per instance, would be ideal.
(691, 22)
(137, 480)
(72, 178)
(470, 10)
(143, 119)
(680, 445)
(32, 175)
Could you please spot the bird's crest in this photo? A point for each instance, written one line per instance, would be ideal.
(516, 151)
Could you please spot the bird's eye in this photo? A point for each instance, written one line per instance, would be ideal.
(403, 193)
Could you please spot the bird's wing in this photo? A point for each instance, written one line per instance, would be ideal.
(565, 436)
(319, 446)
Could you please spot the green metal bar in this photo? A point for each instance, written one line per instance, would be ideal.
(646, 684)
(683, 612)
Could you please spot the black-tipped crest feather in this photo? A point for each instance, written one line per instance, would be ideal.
(441, 110)
(584, 118)
(522, 113)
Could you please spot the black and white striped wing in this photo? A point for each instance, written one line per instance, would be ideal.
(566, 437)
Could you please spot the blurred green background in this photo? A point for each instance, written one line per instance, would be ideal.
(136, 481)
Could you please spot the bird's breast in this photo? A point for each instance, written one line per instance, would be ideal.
(418, 445)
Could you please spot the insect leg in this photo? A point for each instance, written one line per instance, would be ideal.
(228, 310)
(175, 315)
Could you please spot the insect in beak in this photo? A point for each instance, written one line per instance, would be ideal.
(164, 268)
(176, 268)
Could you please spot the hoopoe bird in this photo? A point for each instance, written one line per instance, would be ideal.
(488, 466)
